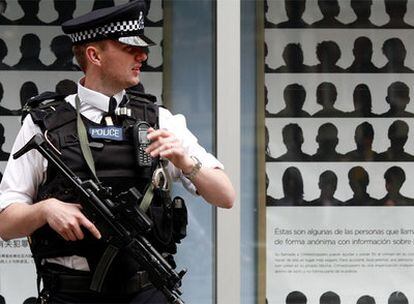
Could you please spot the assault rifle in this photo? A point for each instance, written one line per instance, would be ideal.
(121, 223)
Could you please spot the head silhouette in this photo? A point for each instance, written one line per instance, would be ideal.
(294, 96)
(292, 183)
(3, 6)
(361, 8)
(30, 7)
(65, 7)
(61, 46)
(294, 9)
(366, 300)
(364, 135)
(296, 297)
(329, 297)
(329, 8)
(292, 137)
(2, 140)
(394, 179)
(3, 50)
(362, 99)
(28, 90)
(398, 134)
(293, 55)
(358, 179)
(327, 137)
(328, 52)
(30, 46)
(1, 91)
(66, 87)
(31, 300)
(362, 49)
(328, 182)
(397, 297)
(396, 9)
(394, 50)
(98, 4)
(398, 95)
(326, 94)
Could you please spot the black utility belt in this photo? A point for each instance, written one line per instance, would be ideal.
(75, 283)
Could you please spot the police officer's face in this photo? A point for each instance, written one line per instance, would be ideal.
(121, 63)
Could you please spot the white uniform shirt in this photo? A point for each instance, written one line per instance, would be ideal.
(23, 176)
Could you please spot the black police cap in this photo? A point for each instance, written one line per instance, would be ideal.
(124, 23)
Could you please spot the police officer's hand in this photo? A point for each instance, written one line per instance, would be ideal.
(165, 144)
(67, 219)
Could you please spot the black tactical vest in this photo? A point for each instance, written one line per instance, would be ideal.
(115, 167)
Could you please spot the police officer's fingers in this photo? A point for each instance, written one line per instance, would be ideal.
(91, 227)
(70, 235)
(78, 232)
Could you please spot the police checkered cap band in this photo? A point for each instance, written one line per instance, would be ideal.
(120, 28)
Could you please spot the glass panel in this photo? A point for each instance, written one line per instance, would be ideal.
(192, 94)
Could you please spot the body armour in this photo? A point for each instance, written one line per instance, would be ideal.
(116, 167)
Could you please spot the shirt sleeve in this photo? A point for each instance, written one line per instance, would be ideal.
(22, 176)
(177, 124)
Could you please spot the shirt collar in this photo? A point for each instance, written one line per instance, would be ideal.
(96, 99)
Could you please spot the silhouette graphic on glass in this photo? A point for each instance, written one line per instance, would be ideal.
(296, 297)
(396, 10)
(398, 136)
(366, 300)
(268, 69)
(270, 200)
(327, 140)
(394, 179)
(293, 57)
(27, 91)
(362, 52)
(4, 111)
(3, 155)
(293, 140)
(30, 49)
(149, 22)
(362, 101)
(364, 136)
(98, 4)
(30, 11)
(328, 182)
(358, 181)
(268, 24)
(1, 177)
(31, 300)
(61, 46)
(294, 11)
(3, 53)
(292, 188)
(268, 156)
(66, 87)
(329, 297)
(3, 19)
(330, 10)
(148, 68)
(395, 52)
(398, 97)
(397, 297)
(326, 95)
(65, 10)
(2, 300)
(266, 100)
(294, 96)
(328, 54)
(362, 10)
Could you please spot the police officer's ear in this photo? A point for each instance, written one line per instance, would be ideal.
(93, 54)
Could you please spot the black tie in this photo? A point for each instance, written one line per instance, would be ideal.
(112, 106)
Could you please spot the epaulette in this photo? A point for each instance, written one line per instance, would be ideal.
(44, 100)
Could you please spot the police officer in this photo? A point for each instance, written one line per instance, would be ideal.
(110, 47)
